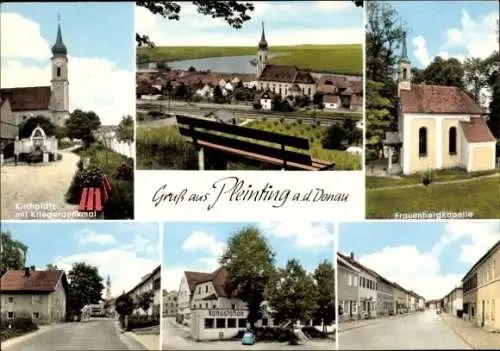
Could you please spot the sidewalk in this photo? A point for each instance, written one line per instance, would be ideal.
(149, 341)
(475, 336)
(344, 326)
(41, 329)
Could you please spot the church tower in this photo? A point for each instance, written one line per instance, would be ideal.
(404, 70)
(59, 82)
(262, 53)
(108, 289)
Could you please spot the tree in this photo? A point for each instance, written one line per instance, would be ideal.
(12, 253)
(180, 91)
(444, 72)
(249, 262)
(85, 285)
(27, 127)
(325, 285)
(218, 96)
(417, 75)
(52, 267)
(335, 137)
(292, 293)
(192, 69)
(81, 125)
(126, 129)
(494, 118)
(317, 98)
(235, 13)
(378, 118)
(358, 3)
(124, 306)
(145, 300)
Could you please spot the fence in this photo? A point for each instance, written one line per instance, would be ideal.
(122, 147)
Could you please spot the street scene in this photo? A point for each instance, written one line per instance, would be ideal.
(231, 286)
(253, 93)
(77, 297)
(381, 266)
(433, 115)
(76, 148)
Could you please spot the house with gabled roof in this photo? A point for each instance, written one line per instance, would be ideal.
(41, 295)
(440, 127)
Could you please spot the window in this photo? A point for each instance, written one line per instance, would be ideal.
(355, 282)
(493, 309)
(206, 288)
(231, 323)
(220, 323)
(233, 306)
(35, 315)
(58, 71)
(242, 323)
(452, 141)
(11, 299)
(354, 307)
(35, 299)
(308, 91)
(206, 305)
(199, 290)
(422, 142)
(209, 323)
(10, 314)
(349, 280)
(265, 322)
(200, 305)
(405, 74)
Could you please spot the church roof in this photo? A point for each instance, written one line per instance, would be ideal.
(263, 42)
(28, 98)
(59, 48)
(438, 99)
(477, 131)
(286, 74)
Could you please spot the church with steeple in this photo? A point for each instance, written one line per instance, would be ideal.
(51, 101)
(283, 80)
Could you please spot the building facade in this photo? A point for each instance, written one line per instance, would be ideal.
(170, 303)
(347, 289)
(385, 297)
(150, 283)
(481, 291)
(40, 295)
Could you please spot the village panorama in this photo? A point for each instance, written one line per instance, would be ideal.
(247, 112)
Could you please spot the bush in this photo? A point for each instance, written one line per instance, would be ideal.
(91, 177)
(36, 156)
(59, 157)
(427, 178)
(120, 204)
(10, 328)
(137, 322)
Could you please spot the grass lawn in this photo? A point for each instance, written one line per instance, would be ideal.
(479, 196)
(165, 148)
(340, 59)
(438, 176)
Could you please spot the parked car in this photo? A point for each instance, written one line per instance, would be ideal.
(438, 311)
(248, 338)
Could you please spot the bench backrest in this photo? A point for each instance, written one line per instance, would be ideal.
(190, 127)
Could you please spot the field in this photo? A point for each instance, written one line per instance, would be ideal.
(479, 196)
(339, 59)
(164, 148)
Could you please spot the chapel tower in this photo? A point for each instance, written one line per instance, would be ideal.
(262, 53)
(59, 82)
(404, 69)
(108, 289)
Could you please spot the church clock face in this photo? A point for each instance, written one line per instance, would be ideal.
(59, 62)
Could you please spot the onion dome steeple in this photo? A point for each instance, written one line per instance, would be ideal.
(263, 42)
(59, 48)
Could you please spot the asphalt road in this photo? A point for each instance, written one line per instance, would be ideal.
(176, 337)
(422, 330)
(95, 335)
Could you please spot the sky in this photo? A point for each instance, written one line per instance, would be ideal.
(449, 29)
(430, 258)
(286, 23)
(197, 246)
(100, 39)
(126, 251)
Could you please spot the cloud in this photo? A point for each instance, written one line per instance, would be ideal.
(304, 235)
(477, 36)
(142, 244)
(421, 52)
(200, 241)
(421, 271)
(96, 84)
(334, 5)
(30, 46)
(196, 29)
(124, 267)
(445, 56)
(87, 236)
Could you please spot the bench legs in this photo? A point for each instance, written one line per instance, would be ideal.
(201, 159)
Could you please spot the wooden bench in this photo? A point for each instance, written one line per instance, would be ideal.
(200, 132)
(93, 198)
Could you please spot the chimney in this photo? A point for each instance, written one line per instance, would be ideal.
(352, 255)
(26, 271)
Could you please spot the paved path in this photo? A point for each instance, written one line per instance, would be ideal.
(98, 335)
(38, 184)
(149, 341)
(175, 337)
(478, 337)
(497, 175)
(421, 330)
